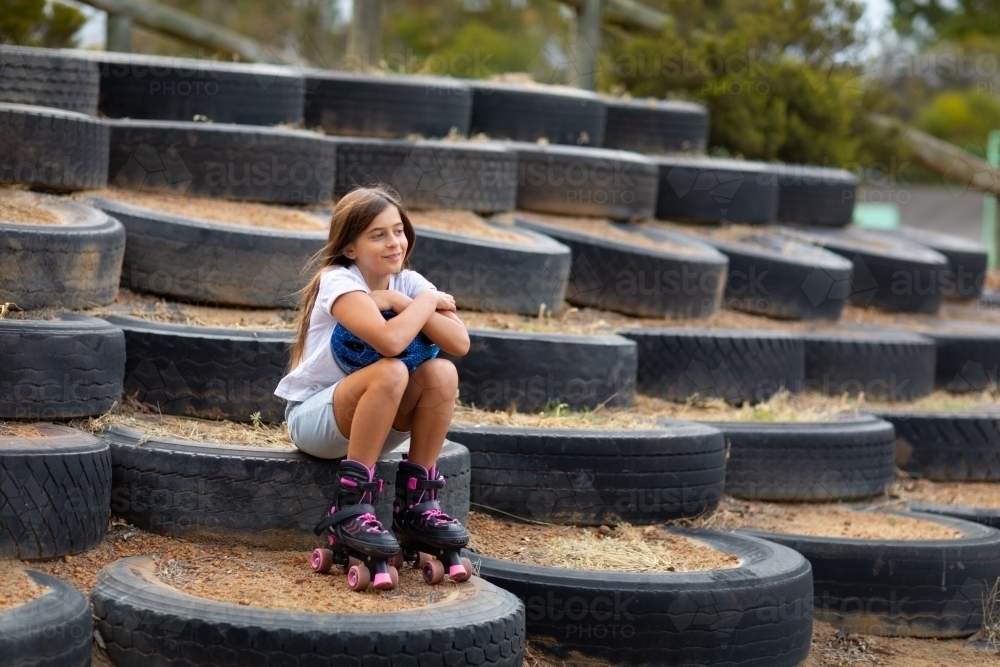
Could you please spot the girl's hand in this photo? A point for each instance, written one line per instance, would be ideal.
(445, 301)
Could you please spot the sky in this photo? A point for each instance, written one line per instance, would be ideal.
(876, 16)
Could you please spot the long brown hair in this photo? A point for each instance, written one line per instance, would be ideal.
(352, 215)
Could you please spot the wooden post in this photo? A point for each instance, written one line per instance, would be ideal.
(186, 27)
(587, 44)
(365, 38)
(119, 33)
(991, 226)
(629, 13)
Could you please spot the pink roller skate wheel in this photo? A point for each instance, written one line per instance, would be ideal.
(383, 580)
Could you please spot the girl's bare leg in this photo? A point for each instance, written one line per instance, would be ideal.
(426, 409)
(364, 405)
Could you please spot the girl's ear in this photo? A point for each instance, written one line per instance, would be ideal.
(349, 252)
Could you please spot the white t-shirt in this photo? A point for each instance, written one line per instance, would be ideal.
(318, 369)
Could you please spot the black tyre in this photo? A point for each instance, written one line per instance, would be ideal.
(212, 262)
(947, 446)
(144, 620)
(988, 516)
(967, 261)
(883, 364)
(655, 126)
(53, 630)
(595, 476)
(205, 372)
(904, 588)
(755, 615)
(783, 278)
(48, 78)
(148, 87)
(560, 114)
(495, 274)
(529, 371)
(735, 366)
(968, 354)
(581, 180)
(52, 149)
(60, 369)
(809, 461)
(75, 264)
(477, 177)
(715, 190)
(990, 299)
(888, 273)
(638, 279)
(250, 495)
(55, 493)
(362, 105)
(811, 195)
(229, 161)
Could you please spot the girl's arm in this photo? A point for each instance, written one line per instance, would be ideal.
(444, 328)
(359, 313)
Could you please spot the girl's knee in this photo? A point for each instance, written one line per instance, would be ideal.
(391, 373)
(443, 371)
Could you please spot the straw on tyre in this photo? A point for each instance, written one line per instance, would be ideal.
(472, 176)
(755, 615)
(55, 491)
(735, 366)
(889, 273)
(68, 367)
(362, 105)
(811, 195)
(263, 496)
(148, 87)
(809, 461)
(205, 372)
(214, 262)
(681, 277)
(779, 277)
(902, 588)
(952, 446)
(558, 114)
(48, 78)
(52, 149)
(495, 274)
(705, 189)
(595, 476)
(53, 630)
(73, 264)
(883, 364)
(529, 371)
(265, 164)
(142, 619)
(655, 126)
(581, 180)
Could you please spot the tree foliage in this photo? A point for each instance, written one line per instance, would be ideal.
(947, 19)
(37, 23)
(768, 72)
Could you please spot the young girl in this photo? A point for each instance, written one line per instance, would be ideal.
(364, 415)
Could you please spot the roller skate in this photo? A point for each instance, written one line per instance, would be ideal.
(430, 539)
(355, 540)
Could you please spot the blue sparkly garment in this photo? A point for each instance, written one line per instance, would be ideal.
(353, 354)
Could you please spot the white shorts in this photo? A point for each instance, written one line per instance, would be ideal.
(313, 428)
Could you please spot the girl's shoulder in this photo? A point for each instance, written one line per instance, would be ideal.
(411, 283)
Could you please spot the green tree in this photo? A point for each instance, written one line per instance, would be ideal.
(947, 19)
(38, 23)
(964, 118)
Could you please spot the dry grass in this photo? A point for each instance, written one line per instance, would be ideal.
(846, 650)
(990, 630)
(464, 222)
(16, 430)
(139, 417)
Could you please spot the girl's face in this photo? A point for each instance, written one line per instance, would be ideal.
(382, 246)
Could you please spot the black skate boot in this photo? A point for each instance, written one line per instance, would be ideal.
(423, 530)
(356, 541)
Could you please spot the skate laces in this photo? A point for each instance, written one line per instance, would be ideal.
(371, 523)
(437, 517)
